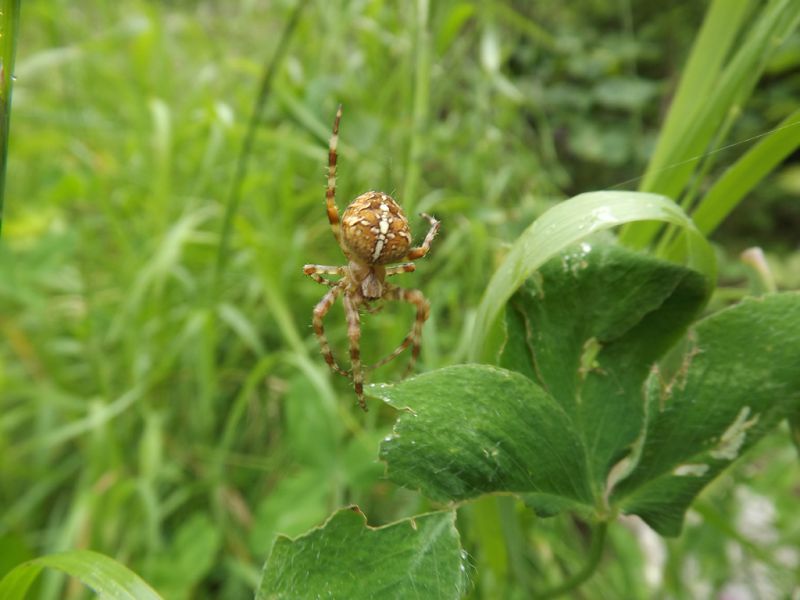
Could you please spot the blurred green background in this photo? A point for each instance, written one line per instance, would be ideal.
(177, 420)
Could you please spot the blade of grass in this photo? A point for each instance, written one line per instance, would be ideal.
(9, 25)
(695, 130)
(744, 175)
(729, 190)
(242, 161)
(525, 25)
(722, 22)
(422, 71)
(107, 577)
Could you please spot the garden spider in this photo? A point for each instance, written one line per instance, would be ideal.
(373, 233)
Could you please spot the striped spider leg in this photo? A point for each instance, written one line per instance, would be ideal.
(373, 233)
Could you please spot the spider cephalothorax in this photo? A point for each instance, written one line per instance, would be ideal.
(373, 233)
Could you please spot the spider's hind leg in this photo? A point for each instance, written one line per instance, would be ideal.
(354, 335)
(414, 337)
(320, 310)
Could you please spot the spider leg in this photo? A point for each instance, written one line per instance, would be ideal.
(401, 268)
(316, 271)
(422, 250)
(330, 190)
(320, 310)
(414, 337)
(373, 309)
(354, 335)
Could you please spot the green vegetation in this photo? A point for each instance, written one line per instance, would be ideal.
(162, 397)
(9, 24)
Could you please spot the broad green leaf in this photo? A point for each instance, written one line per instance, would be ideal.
(419, 557)
(738, 379)
(589, 327)
(468, 430)
(108, 578)
(568, 223)
(581, 421)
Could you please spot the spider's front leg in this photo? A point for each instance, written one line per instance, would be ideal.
(422, 250)
(401, 268)
(330, 190)
(316, 272)
(354, 335)
(320, 310)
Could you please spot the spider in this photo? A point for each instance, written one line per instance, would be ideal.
(373, 233)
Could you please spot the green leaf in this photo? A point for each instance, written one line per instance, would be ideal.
(693, 126)
(602, 412)
(413, 558)
(568, 223)
(189, 557)
(9, 32)
(794, 428)
(107, 577)
(738, 379)
(589, 327)
(468, 430)
(749, 170)
(722, 22)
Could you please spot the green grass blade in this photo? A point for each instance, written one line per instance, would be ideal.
(568, 223)
(242, 160)
(107, 577)
(678, 162)
(720, 26)
(9, 24)
(419, 116)
(746, 173)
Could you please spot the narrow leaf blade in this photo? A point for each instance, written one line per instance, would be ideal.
(108, 578)
(746, 173)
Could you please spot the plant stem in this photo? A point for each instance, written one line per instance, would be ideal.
(9, 25)
(595, 554)
(234, 199)
(420, 107)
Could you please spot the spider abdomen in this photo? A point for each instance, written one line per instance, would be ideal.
(375, 229)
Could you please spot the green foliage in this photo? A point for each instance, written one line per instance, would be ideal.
(413, 558)
(569, 222)
(109, 579)
(157, 371)
(9, 26)
(468, 431)
(179, 567)
(727, 78)
(737, 380)
(590, 414)
(599, 428)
